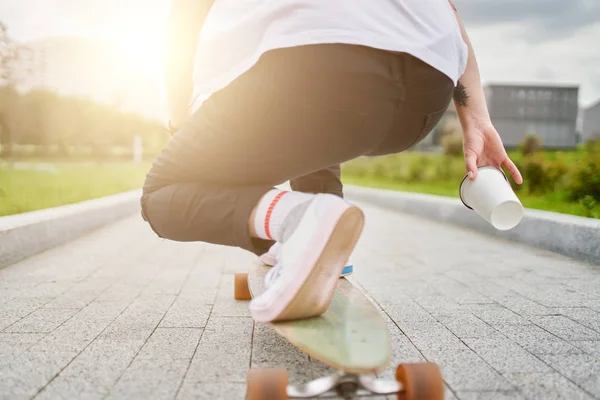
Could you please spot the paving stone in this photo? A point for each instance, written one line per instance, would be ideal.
(466, 325)
(495, 395)
(42, 320)
(583, 315)
(522, 305)
(150, 379)
(439, 304)
(100, 365)
(558, 295)
(582, 369)
(448, 394)
(225, 304)
(547, 386)
(430, 337)
(168, 281)
(13, 344)
(270, 350)
(188, 313)
(403, 350)
(19, 308)
(566, 328)
(81, 294)
(29, 372)
(457, 291)
(465, 370)
(506, 356)
(171, 344)
(406, 312)
(223, 354)
(212, 391)
(73, 387)
(537, 340)
(590, 347)
(139, 320)
(8, 293)
(318, 369)
(496, 314)
(486, 287)
(149, 305)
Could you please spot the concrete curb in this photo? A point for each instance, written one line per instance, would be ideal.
(572, 236)
(27, 234)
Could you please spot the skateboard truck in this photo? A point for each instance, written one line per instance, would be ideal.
(420, 381)
(344, 385)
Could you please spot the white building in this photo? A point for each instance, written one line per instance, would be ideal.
(590, 127)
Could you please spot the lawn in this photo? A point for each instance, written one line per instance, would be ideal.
(27, 188)
(432, 173)
(550, 202)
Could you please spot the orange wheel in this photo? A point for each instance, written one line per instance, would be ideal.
(241, 290)
(422, 381)
(267, 384)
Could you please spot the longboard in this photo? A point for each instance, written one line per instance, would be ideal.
(351, 336)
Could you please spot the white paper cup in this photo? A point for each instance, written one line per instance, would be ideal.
(491, 196)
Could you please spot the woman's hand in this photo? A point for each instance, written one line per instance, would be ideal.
(483, 146)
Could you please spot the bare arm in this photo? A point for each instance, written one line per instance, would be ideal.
(183, 27)
(482, 144)
(469, 97)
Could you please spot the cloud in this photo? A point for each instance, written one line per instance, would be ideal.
(528, 41)
(541, 19)
(506, 55)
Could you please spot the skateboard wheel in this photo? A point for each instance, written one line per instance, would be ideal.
(421, 381)
(241, 290)
(267, 384)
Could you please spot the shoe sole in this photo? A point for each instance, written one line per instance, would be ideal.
(313, 296)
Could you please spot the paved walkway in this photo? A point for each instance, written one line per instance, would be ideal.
(121, 314)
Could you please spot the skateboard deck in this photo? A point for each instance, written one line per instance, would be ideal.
(350, 336)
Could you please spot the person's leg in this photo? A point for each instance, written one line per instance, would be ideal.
(327, 180)
(292, 114)
(298, 111)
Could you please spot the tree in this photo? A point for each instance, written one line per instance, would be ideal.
(10, 55)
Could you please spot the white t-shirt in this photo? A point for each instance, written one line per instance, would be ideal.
(237, 32)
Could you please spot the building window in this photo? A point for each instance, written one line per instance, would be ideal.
(546, 111)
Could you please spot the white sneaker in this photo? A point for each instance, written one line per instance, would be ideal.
(270, 259)
(310, 261)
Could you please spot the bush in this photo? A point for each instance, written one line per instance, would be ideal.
(452, 144)
(585, 179)
(447, 168)
(417, 169)
(530, 145)
(589, 204)
(535, 175)
(556, 173)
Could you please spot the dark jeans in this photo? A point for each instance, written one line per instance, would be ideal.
(296, 115)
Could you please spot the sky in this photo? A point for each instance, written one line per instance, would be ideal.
(516, 41)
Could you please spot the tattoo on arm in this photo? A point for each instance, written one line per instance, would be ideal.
(460, 95)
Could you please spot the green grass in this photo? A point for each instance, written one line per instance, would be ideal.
(23, 190)
(550, 202)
